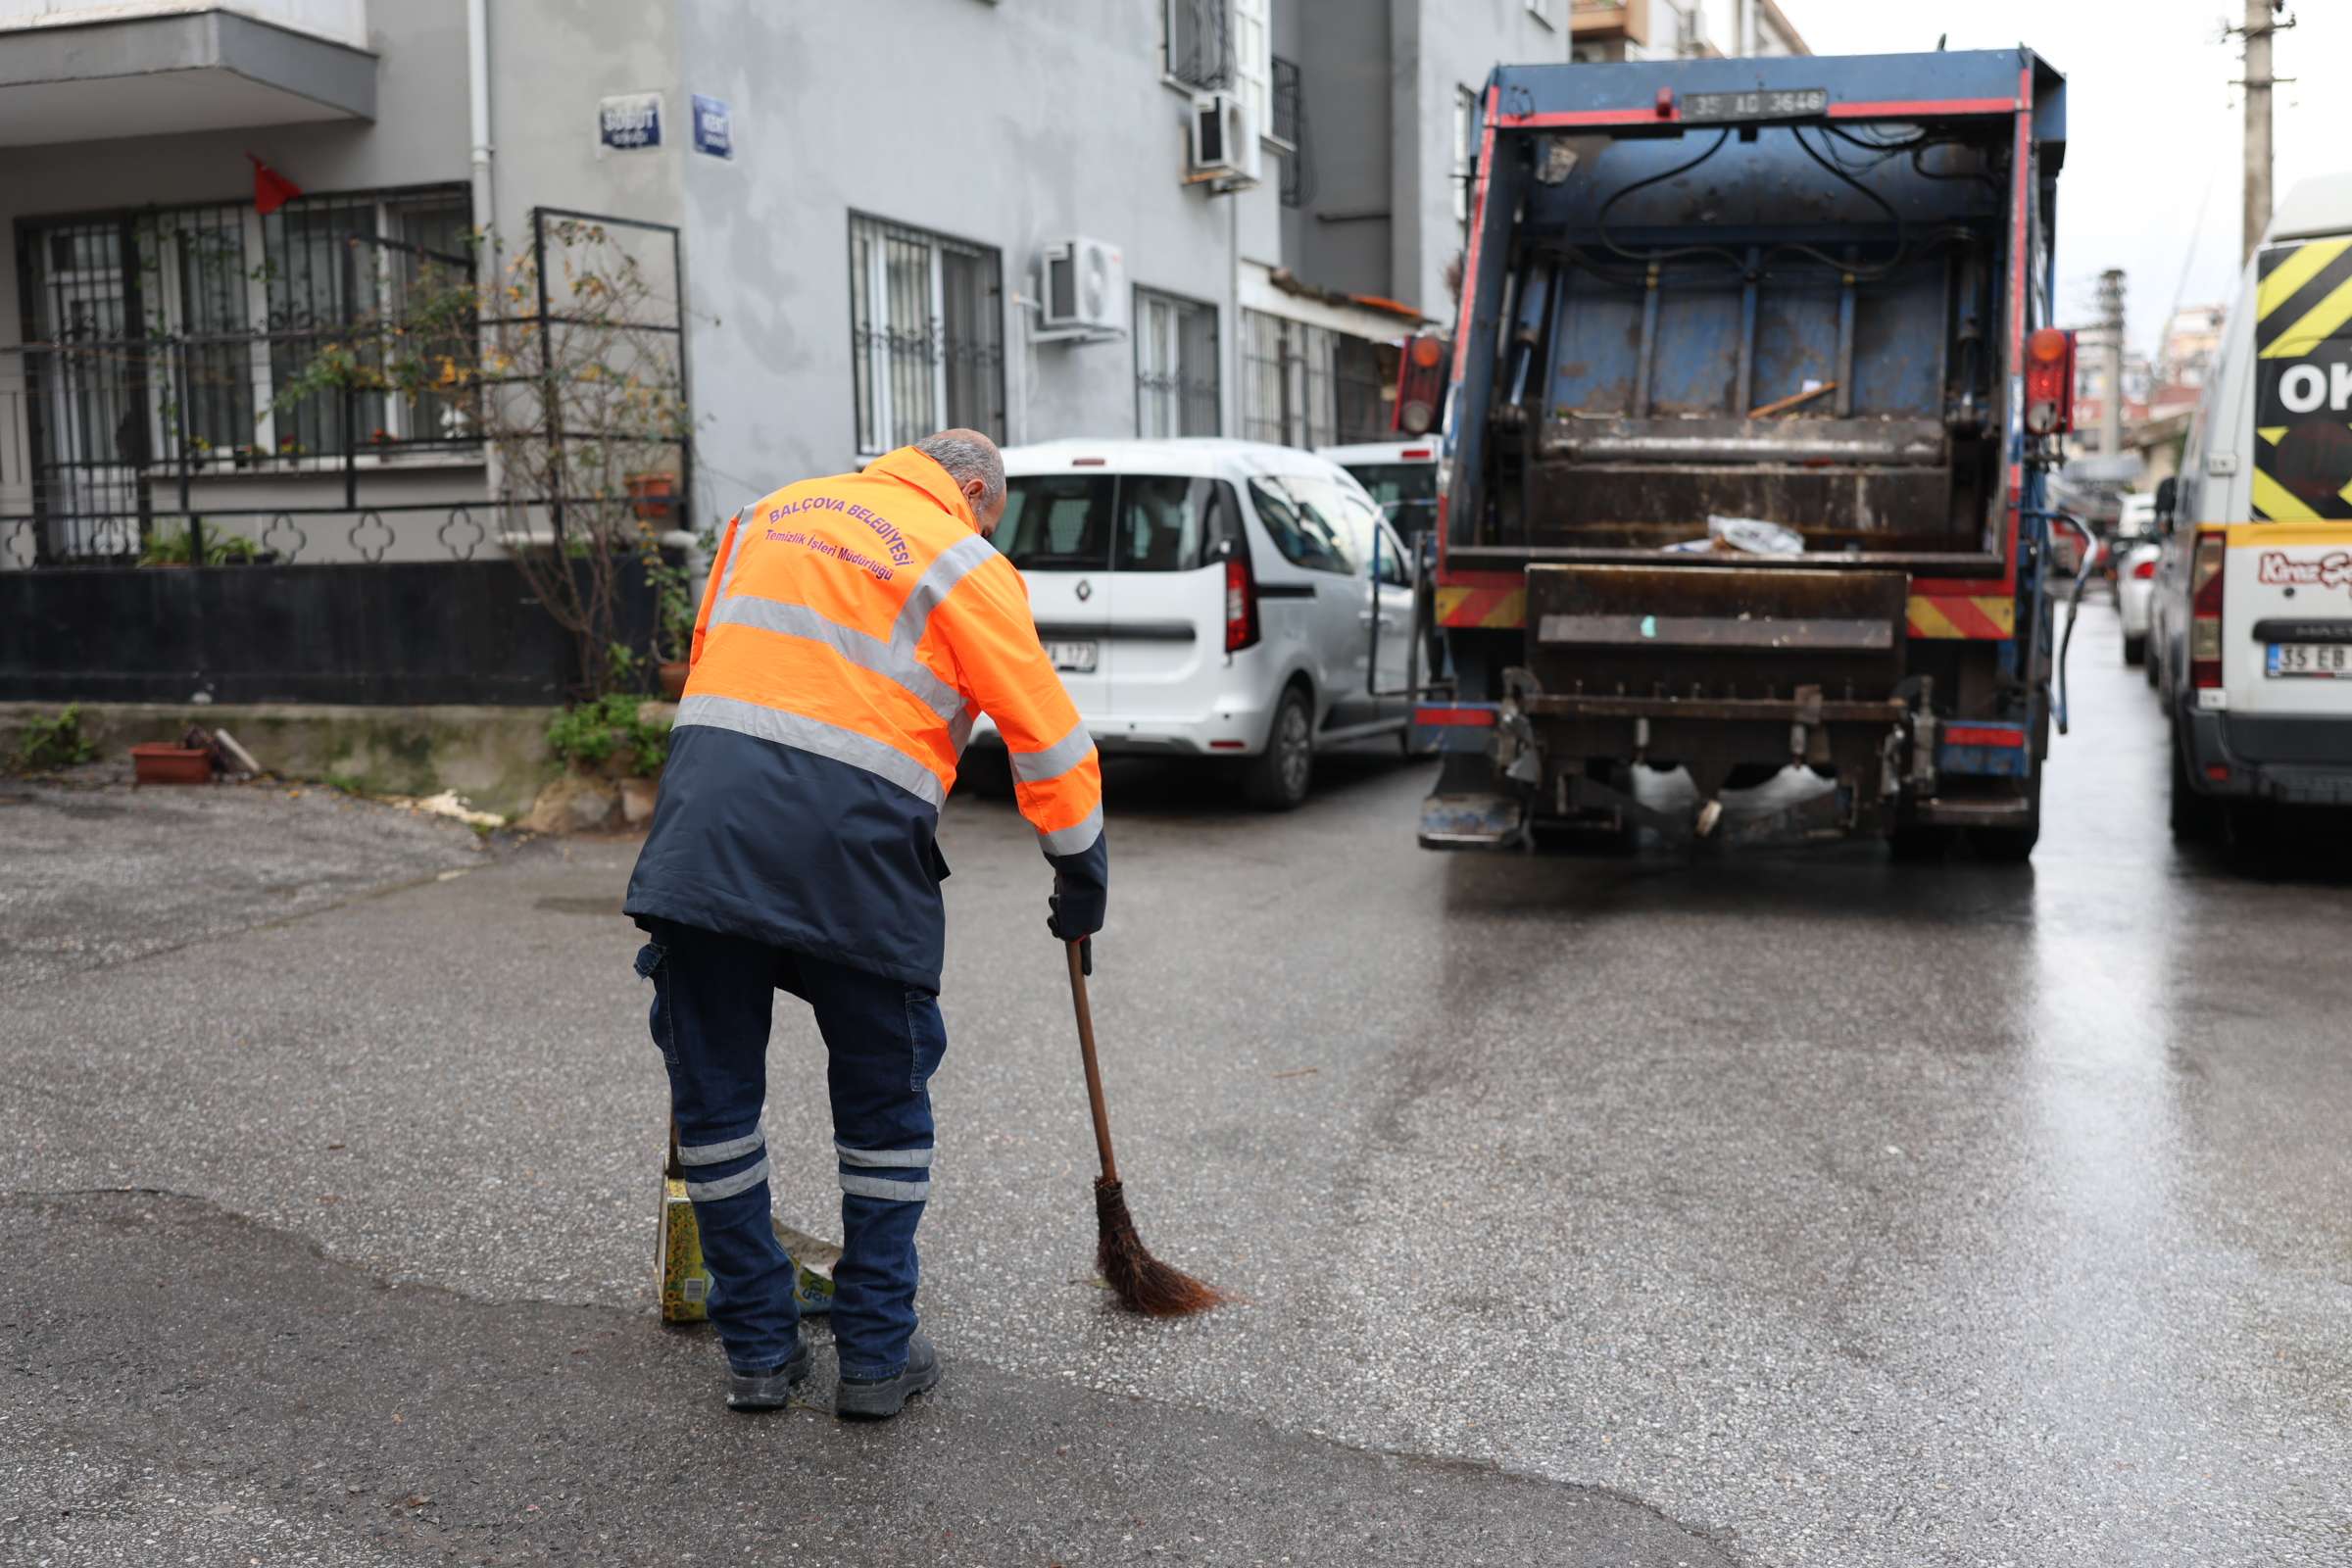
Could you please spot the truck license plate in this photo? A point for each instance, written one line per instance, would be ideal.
(1793, 103)
(1076, 658)
(2326, 661)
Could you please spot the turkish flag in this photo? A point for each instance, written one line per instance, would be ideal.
(271, 189)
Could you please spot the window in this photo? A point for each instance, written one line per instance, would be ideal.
(1196, 42)
(174, 330)
(1407, 492)
(1314, 522)
(1057, 522)
(1175, 365)
(1289, 129)
(1125, 522)
(926, 334)
(1309, 386)
(1172, 523)
(1223, 43)
(1254, 61)
(1465, 150)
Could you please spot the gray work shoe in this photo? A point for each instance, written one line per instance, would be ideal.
(880, 1398)
(768, 1391)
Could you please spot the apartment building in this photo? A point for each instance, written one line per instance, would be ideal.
(1040, 218)
(1681, 29)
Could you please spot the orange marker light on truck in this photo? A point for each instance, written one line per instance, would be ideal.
(1420, 385)
(2049, 383)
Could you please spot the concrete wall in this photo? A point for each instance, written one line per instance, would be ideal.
(1437, 46)
(949, 138)
(1344, 238)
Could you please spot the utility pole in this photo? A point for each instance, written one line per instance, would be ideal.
(2111, 323)
(2262, 19)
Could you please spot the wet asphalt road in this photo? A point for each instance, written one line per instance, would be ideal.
(1785, 1209)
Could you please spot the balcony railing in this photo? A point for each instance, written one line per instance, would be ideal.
(342, 20)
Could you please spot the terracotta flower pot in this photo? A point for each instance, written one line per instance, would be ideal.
(160, 762)
(673, 680)
(650, 494)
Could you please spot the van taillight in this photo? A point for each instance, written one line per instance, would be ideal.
(1241, 602)
(2145, 570)
(2205, 610)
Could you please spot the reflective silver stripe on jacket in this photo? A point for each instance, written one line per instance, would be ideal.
(884, 1187)
(960, 728)
(1075, 839)
(948, 568)
(743, 1181)
(815, 736)
(892, 1159)
(1035, 768)
(734, 548)
(719, 1153)
(889, 659)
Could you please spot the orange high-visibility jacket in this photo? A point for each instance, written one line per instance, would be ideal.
(852, 630)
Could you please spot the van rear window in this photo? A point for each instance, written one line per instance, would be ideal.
(1123, 522)
(1057, 522)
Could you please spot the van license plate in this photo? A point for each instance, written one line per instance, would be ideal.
(1076, 658)
(2326, 661)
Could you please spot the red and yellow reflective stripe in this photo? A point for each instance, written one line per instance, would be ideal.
(1492, 607)
(1983, 617)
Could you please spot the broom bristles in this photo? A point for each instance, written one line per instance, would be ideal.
(1142, 1283)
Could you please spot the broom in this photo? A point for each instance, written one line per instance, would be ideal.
(1141, 1282)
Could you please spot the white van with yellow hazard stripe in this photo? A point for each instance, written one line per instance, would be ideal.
(2253, 612)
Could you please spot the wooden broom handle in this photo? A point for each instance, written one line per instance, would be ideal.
(1094, 1069)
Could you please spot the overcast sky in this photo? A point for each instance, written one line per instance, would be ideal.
(2155, 131)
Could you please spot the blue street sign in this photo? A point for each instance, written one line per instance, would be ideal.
(630, 121)
(713, 130)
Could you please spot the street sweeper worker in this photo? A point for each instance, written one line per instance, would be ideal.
(852, 630)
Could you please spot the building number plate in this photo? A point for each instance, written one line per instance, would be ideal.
(1795, 103)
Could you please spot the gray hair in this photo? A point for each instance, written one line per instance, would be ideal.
(967, 455)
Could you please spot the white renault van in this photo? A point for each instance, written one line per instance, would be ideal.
(2252, 614)
(1211, 598)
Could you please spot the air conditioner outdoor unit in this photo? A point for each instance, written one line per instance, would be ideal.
(1086, 287)
(1225, 140)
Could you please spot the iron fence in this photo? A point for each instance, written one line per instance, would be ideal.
(336, 385)
(177, 401)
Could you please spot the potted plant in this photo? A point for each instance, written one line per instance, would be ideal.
(650, 494)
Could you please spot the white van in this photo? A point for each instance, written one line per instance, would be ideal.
(1211, 598)
(1401, 477)
(2252, 614)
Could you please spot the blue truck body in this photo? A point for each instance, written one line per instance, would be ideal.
(1792, 290)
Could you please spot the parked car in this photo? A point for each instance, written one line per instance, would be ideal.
(1212, 598)
(2253, 603)
(2137, 549)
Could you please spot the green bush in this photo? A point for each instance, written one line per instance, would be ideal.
(174, 547)
(50, 743)
(593, 733)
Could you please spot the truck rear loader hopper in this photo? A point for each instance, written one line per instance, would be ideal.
(1795, 290)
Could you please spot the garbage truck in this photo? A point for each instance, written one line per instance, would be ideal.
(1754, 392)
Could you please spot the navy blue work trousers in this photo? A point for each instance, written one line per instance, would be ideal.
(714, 996)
